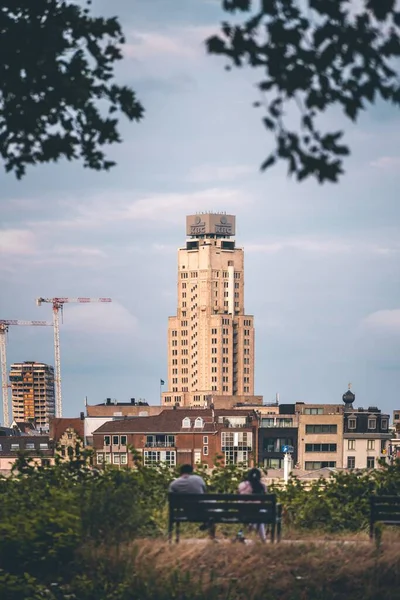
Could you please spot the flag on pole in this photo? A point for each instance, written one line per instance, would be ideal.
(162, 382)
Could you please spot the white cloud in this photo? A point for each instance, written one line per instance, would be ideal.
(213, 173)
(388, 163)
(100, 210)
(17, 241)
(99, 318)
(182, 42)
(384, 321)
(320, 246)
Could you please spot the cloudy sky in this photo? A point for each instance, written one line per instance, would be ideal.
(322, 263)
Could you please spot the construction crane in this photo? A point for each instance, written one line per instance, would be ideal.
(58, 305)
(4, 325)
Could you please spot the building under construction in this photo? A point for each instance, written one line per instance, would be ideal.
(32, 392)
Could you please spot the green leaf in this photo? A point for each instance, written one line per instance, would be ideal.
(268, 162)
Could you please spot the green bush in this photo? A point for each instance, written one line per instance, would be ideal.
(53, 518)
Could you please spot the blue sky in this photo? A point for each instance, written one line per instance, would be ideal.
(322, 263)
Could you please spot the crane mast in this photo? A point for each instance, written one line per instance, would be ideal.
(58, 304)
(4, 326)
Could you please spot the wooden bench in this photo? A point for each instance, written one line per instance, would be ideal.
(224, 508)
(384, 509)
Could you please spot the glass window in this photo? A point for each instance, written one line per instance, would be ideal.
(205, 450)
(351, 462)
(351, 444)
(314, 465)
(269, 422)
(186, 422)
(397, 416)
(313, 411)
(124, 459)
(352, 423)
(205, 439)
(108, 457)
(107, 440)
(100, 458)
(321, 428)
(198, 422)
(44, 446)
(30, 446)
(384, 424)
(370, 462)
(273, 463)
(370, 444)
(321, 448)
(153, 457)
(116, 459)
(14, 447)
(123, 440)
(371, 423)
(115, 440)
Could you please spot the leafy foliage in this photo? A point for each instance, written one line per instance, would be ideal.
(63, 527)
(316, 54)
(57, 95)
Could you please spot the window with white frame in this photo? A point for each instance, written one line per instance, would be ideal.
(116, 459)
(370, 444)
(154, 457)
(205, 450)
(123, 440)
(107, 457)
(351, 444)
(100, 458)
(199, 422)
(352, 423)
(205, 440)
(123, 459)
(107, 440)
(115, 440)
(236, 446)
(384, 424)
(186, 422)
(371, 423)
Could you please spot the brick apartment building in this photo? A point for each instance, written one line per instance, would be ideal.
(183, 435)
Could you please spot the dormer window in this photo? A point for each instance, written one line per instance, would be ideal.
(186, 422)
(371, 423)
(198, 422)
(352, 423)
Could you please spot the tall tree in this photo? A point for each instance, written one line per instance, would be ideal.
(58, 97)
(315, 54)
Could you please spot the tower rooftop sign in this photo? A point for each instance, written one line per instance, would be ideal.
(210, 224)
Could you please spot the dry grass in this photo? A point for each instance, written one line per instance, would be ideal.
(323, 570)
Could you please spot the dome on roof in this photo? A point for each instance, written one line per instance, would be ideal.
(348, 397)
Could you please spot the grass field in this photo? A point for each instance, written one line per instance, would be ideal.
(312, 569)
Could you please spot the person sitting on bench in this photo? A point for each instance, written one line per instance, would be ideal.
(253, 485)
(190, 483)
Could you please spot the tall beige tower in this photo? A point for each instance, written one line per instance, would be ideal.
(32, 392)
(211, 339)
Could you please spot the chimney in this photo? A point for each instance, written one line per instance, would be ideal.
(108, 401)
(133, 401)
(82, 416)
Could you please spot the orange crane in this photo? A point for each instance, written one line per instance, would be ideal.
(58, 304)
(4, 325)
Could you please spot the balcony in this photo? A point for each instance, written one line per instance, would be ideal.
(159, 445)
